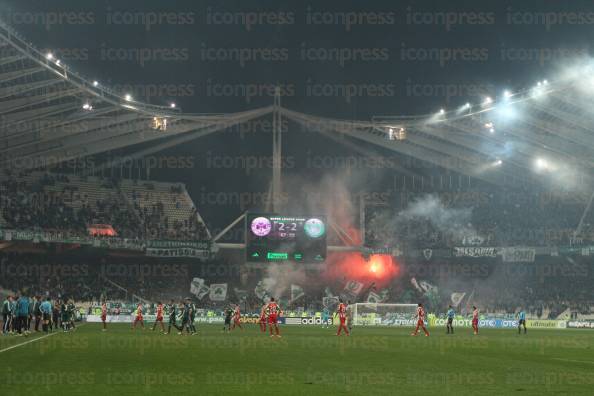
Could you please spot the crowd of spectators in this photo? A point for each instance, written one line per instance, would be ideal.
(72, 204)
(485, 217)
(503, 289)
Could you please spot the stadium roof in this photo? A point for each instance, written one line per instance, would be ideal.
(51, 114)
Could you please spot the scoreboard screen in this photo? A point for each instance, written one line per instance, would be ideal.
(272, 238)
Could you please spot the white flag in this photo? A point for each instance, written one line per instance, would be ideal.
(353, 288)
(218, 292)
(296, 292)
(198, 288)
(374, 298)
(456, 298)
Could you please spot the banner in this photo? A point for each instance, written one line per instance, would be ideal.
(546, 324)
(473, 240)
(518, 255)
(198, 288)
(580, 324)
(475, 252)
(487, 323)
(177, 252)
(457, 298)
(157, 248)
(296, 292)
(218, 292)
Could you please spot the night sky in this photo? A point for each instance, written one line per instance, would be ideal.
(343, 59)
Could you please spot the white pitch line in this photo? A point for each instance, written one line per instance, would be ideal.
(27, 342)
(574, 361)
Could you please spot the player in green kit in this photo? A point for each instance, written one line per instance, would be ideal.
(228, 315)
(172, 310)
(192, 316)
(521, 321)
(64, 316)
(185, 314)
(71, 308)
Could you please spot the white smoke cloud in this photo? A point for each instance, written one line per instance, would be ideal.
(452, 222)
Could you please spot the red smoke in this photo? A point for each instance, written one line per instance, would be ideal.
(379, 268)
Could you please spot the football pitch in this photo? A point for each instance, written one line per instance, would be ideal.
(305, 361)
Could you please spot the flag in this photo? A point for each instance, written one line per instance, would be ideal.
(385, 294)
(262, 290)
(240, 294)
(378, 297)
(218, 292)
(457, 298)
(330, 302)
(423, 286)
(353, 287)
(374, 298)
(198, 288)
(296, 292)
(414, 282)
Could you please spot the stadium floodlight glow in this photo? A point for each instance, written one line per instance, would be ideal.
(545, 82)
(507, 94)
(487, 101)
(542, 164)
(87, 106)
(172, 105)
(49, 56)
(442, 111)
(128, 97)
(498, 163)
(95, 83)
(58, 62)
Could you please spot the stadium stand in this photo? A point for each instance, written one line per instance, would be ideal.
(72, 203)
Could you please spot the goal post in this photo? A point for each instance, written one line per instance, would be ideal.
(379, 314)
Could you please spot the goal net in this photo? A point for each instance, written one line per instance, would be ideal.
(368, 314)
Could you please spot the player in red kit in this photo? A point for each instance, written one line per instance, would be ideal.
(263, 319)
(104, 315)
(420, 321)
(138, 317)
(475, 318)
(341, 311)
(159, 318)
(237, 318)
(273, 310)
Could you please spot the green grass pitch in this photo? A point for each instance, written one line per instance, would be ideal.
(305, 361)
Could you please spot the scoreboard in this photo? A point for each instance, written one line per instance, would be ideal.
(271, 238)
